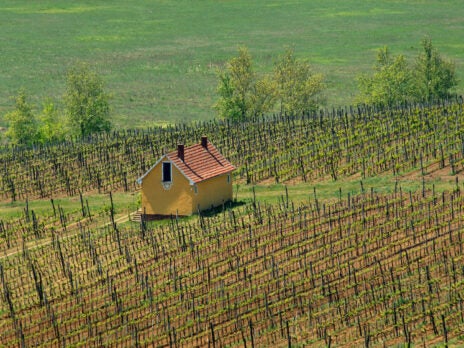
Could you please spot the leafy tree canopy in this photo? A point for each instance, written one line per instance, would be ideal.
(22, 124)
(243, 95)
(86, 101)
(298, 88)
(393, 80)
(52, 125)
(434, 76)
(390, 83)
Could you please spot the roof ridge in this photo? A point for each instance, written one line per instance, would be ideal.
(197, 166)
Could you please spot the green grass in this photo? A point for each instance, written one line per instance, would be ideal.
(326, 190)
(123, 203)
(331, 190)
(159, 58)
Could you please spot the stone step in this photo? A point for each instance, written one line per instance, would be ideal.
(136, 216)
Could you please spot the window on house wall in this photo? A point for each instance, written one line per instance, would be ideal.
(167, 173)
(228, 178)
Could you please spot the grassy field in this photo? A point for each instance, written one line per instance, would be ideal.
(159, 58)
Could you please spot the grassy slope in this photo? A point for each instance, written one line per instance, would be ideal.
(159, 58)
(298, 192)
(123, 203)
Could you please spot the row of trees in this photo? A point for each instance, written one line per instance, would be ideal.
(294, 88)
(430, 77)
(86, 111)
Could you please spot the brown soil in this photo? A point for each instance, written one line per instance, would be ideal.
(433, 172)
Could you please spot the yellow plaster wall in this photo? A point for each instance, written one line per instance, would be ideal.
(213, 191)
(158, 201)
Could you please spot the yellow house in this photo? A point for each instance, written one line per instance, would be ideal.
(186, 181)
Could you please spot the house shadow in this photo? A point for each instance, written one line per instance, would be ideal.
(220, 209)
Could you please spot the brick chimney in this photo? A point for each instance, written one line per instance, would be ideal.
(180, 152)
(204, 142)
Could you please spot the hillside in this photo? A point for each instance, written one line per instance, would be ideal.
(361, 142)
(371, 269)
(365, 268)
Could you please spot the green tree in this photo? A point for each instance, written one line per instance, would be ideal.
(263, 97)
(235, 87)
(390, 82)
(227, 105)
(299, 89)
(434, 77)
(52, 126)
(86, 101)
(22, 124)
(241, 94)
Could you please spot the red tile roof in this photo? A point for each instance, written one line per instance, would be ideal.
(201, 163)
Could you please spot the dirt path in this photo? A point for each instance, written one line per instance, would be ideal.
(47, 241)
